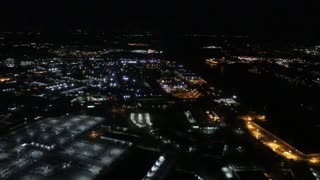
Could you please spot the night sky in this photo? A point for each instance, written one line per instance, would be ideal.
(227, 16)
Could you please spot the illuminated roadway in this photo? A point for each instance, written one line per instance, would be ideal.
(277, 145)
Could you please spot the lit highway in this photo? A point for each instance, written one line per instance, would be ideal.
(276, 144)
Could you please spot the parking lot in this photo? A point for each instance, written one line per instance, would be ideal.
(29, 151)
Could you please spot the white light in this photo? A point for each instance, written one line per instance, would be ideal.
(161, 158)
(140, 118)
(154, 168)
(229, 175)
(132, 116)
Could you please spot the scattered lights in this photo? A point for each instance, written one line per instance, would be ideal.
(125, 78)
(212, 61)
(126, 97)
(258, 117)
(228, 172)
(155, 167)
(314, 160)
(4, 79)
(138, 44)
(211, 47)
(213, 117)
(94, 134)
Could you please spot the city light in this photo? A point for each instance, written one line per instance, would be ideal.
(276, 144)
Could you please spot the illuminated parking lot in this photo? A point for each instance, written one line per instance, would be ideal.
(27, 151)
(141, 120)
